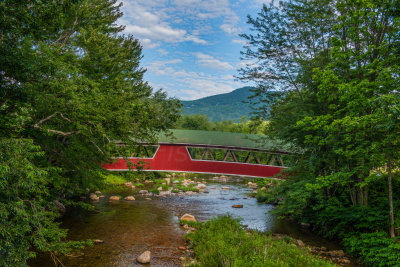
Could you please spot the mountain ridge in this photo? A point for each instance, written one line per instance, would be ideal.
(227, 106)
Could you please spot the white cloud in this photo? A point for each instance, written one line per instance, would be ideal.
(211, 62)
(147, 43)
(161, 68)
(239, 41)
(202, 88)
(151, 24)
(187, 85)
(162, 52)
(229, 28)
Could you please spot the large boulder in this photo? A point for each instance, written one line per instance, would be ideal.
(145, 257)
(188, 217)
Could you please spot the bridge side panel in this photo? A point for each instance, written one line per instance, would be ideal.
(177, 158)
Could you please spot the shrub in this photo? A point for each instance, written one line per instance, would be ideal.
(223, 242)
(375, 249)
(154, 191)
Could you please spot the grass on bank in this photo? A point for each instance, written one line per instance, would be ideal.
(222, 242)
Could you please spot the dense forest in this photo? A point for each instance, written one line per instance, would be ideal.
(337, 63)
(70, 85)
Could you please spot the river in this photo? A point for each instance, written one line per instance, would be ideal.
(130, 228)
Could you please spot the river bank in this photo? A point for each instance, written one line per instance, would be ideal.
(127, 228)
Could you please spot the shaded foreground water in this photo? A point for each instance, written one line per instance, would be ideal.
(130, 228)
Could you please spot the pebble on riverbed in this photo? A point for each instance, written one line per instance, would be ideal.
(145, 257)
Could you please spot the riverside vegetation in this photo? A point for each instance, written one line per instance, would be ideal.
(336, 64)
(223, 242)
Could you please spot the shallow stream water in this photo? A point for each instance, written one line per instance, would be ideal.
(130, 228)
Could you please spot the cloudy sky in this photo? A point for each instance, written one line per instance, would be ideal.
(191, 47)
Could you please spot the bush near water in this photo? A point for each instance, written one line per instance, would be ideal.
(222, 242)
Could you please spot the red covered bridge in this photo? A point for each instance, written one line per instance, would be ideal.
(208, 152)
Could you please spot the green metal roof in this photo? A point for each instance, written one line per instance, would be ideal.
(223, 139)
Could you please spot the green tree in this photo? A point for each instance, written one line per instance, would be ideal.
(71, 82)
(27, 208)
(339, 107)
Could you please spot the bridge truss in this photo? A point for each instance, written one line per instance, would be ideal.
(203, 159)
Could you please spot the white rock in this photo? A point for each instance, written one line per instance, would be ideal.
(93, 197)
(188, 217)
(201, 186)
(145, 257)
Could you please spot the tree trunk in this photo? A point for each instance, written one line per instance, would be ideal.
(391, 229)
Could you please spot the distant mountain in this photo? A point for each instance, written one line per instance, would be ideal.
(220, 107)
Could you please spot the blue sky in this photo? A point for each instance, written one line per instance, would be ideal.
(191, 48)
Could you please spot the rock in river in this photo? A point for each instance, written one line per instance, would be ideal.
(129, 198)
(201, 186)
(114, 198)
(188, 217)
(237, 206)
(93, 197)
(145, 257)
